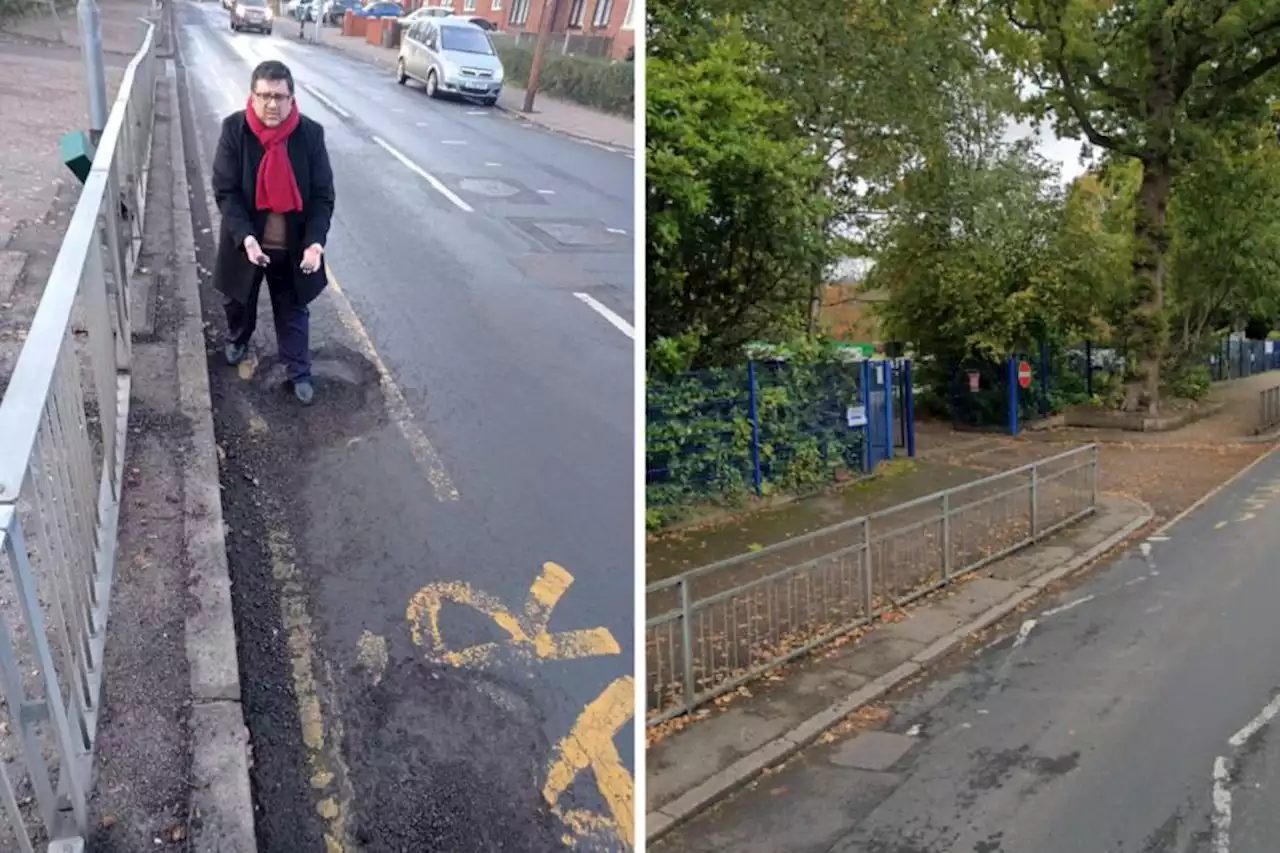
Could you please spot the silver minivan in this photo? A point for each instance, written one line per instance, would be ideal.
(450, 56)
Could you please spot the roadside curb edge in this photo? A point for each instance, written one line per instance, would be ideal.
(222, 799)
(719, 786)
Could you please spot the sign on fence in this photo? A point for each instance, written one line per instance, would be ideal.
(857, 416)
(1024, 374)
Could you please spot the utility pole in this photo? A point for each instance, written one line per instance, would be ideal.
(91, 46)
(549, 9)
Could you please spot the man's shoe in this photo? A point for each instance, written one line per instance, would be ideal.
(304, 391)
(236, 353)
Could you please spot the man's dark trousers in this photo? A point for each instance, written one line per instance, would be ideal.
(292, 320)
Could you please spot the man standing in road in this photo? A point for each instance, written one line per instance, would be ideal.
(274, 186)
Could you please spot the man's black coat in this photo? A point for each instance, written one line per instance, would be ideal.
(235, 180)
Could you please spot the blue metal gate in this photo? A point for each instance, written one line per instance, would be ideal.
(877, 384)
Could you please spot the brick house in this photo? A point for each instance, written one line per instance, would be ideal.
(604, 28)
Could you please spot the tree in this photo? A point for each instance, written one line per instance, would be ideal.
(1154, 80)
(985, 257)
(736, 232)
(1224, 254)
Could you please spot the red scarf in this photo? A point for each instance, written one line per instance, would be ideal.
(277, 188)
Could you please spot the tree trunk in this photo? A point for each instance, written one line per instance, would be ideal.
(1151, 244)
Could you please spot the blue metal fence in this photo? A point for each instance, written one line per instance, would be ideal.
(773, 425)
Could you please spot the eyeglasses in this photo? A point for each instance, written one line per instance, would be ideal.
(271, 97)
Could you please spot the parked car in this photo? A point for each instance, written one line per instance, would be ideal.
(251, 15)
(483, 23)
(429, 12)
(336, 10)
(450, 56)
(382, 9)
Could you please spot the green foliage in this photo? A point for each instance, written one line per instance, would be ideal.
(699, 437)
(734, 221)
(1191, 383)
(1160, 82)
(587, 80)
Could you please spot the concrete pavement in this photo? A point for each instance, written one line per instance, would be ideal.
(1131, 713)
(432, 567)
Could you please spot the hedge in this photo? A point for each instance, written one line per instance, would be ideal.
(592, 82)
(699, 437)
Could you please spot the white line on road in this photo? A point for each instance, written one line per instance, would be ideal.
(1024, 631)
(425, 175)
(453, 142)
(546, 192)
(1157, 538)
(326, 100)
(619, 323)
(616, 230)
(1221, 806)
(1065, 607)
(493, 164)
(1264, 716)
(398, 407)
(1135, 581)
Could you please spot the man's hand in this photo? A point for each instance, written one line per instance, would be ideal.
(311, 258)
(257, 257)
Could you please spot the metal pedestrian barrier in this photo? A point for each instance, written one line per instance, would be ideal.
(1268, 409)
(714, 628)
(63, 425)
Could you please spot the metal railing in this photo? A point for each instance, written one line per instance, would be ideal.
(1268, 409)
(752, 612)
(63, 424)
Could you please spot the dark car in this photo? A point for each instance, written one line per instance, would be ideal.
(336, 10)
(252, 15)
(380, 10)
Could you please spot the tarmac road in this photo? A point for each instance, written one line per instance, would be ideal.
(1134, 715)
(432, 566)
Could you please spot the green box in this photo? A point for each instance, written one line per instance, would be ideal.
(77, 153)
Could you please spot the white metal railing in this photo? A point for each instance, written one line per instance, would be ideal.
(714, 628)
(63, 424)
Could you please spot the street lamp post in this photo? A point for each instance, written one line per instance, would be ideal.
(91, 46)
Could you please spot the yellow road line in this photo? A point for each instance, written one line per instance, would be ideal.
(590, 744)
(401, 415)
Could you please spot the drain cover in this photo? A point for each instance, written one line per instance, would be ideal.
(490, 187)
(574, 234)
(589, 236)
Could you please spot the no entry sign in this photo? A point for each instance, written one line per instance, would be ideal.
(1024, 374)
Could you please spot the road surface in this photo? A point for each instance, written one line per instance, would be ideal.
(1135, 715)
(432, 567)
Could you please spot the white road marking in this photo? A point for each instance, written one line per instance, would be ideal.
(1024, 631)
(424, 453)
(1145, 548)
(1221, 806)
(477, 112)
(1065, 607)
(546, 192)
(453, 142)
(1264, 716)
(422, 123)
(1157, 538)
(425, 175)
(618, 323)
(326, 100)
(1134, 581)
(495, 165)
(914, 731)
(616, 230)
